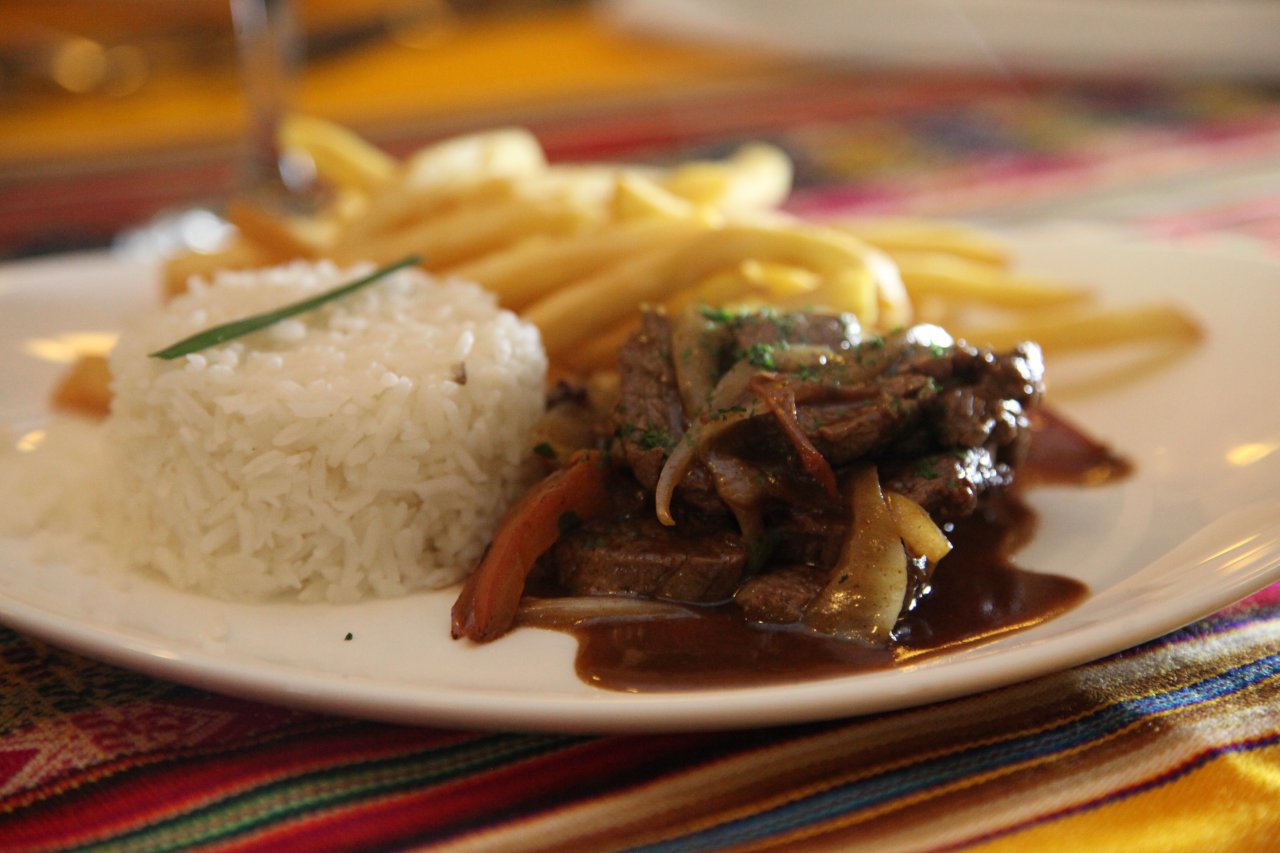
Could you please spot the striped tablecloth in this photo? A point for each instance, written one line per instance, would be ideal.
(1171, 746)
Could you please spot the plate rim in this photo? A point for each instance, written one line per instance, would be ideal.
(626, 713)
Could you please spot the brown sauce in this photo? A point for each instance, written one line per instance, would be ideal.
(978, 593)
(1062, 454)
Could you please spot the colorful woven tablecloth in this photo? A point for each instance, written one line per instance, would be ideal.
(1170, 746)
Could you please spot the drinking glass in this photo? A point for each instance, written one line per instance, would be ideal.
(270, 56)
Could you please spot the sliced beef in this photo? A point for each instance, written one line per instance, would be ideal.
(952, 397)
(638, 556)
(949, 485)
(780, 595)
(648, 418)
(924, 404)
(867, 420)
(910, 402)
(837, 332)
(808, 536)
(944, 422)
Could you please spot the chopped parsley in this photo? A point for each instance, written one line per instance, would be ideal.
(760, 355)
(653, 438)
(716, 315)
(807, 372)
(349, 637)
(545, 450)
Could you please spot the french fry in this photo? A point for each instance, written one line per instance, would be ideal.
(639, 197)
(529, 270)
(401, 205)
(749, 282)
(578, 311)
(852, 291)
(928, 274)
(341, 157)
(781, 281)
(757, 176)
(468, 232)
(276, 236)
(449, 173)
(896, 234)
(571, 315)
(1089, 329)
(601, 351)
(509, 152)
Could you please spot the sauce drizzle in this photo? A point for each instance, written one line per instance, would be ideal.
(978, 594)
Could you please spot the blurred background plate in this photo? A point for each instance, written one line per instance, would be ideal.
(1192, 38)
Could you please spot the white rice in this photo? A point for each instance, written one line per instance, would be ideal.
(367, 447)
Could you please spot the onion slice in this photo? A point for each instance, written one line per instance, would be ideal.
(868, 585)
(570, 610)
(725, 409)
(695, 355)
(919, 532)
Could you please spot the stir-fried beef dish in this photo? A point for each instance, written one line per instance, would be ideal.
(787, 466)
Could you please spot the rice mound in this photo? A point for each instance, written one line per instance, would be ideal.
(366, 447)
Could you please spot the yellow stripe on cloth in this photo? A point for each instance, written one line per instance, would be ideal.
(1232, 803)
(1102, 747)
(498, 67)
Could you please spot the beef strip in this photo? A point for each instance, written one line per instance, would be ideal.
(881, 413)
(638, 556)
(648, 418)
(948, 485)
(780, 595)
(837, 332)
(953, 397)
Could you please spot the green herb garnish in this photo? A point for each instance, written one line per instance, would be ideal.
(348, 637)
(545, 450)
(761, 355)
(653, 437)
(716, 315)
(237, 328)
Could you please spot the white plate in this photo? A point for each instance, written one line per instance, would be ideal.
(1196, 528)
